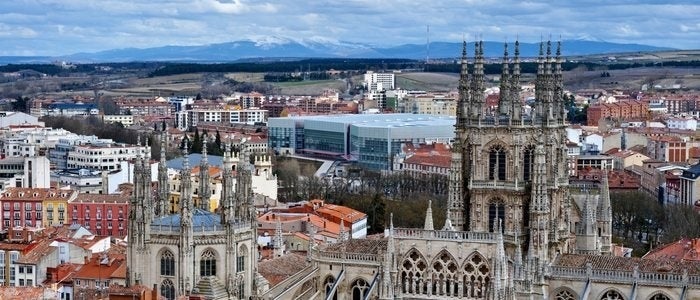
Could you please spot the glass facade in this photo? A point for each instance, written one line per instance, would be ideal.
(328, 141)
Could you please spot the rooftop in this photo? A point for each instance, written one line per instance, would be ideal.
(366, 246)
(685, 249)
(278, 269)
(626, 264)
(379, 120)
(201, 219)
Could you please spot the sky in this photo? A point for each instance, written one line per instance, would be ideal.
(61, 27)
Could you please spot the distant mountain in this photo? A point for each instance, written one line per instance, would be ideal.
(287, 48)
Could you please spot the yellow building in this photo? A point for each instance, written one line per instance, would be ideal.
(55, 206)
(214, 184)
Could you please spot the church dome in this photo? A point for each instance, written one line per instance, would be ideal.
(201, 220)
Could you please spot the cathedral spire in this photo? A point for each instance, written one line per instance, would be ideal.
(463, 104)
(163, 185)
(515, 88)
(429, 216)
(226, 203)
(504, 106)
(605, 216)
(343, 234)
(204, 180)
(500, 282)
(477, 83)
(388, 266)
(279, 239)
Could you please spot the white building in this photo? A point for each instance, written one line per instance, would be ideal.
(14, 118)
(104, 157)
(379, 81)
(126, 120)
(682, 123)
(190, 118)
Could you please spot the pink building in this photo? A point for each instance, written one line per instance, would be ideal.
(101, 214)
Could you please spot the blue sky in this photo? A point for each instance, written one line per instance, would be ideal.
(56, 27)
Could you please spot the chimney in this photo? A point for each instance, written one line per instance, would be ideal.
(154, 292)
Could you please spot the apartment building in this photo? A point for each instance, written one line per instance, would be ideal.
(105, 215)
(191, 118)
(104, 157)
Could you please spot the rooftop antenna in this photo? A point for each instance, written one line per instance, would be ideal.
(427, 47)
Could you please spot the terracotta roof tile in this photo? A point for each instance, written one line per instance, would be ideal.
(601, 262)
(367, 246)
(682, 250)
(278, 269)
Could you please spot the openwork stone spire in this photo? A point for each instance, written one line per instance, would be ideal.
(429, 216)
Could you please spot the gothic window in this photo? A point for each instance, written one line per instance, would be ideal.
(413, 270)
(167, 263)
(565, 295)
(528, 160)
(240, 260)
(497, 210)
(611, 295)
(444, 280)
(497, 163)
(476, 277)
(167, 289)
(360, 288)
(207, 264)
(328, 286)
(659, 296)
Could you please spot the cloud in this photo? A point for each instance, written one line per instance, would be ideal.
(52, 27)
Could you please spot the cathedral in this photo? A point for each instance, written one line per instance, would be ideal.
(194, 251)
(516, 227)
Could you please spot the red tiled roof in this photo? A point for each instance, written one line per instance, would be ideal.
(685, 249)
(278, 269)
(615, 263)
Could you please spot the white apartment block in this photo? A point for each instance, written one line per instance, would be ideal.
(442, 105)
(190, 118)
(126, 120)
(379, 81)
(682, 123)
(104, 157)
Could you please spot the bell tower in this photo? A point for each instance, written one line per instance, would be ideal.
(509, 163)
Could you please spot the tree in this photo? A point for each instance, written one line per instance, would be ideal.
(681, 221)
(377, 214)
(196, 143)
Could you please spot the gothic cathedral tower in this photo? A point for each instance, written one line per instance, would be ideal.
(509, 161)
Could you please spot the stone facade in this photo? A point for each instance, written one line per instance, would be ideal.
(516, 228)
(194, 251)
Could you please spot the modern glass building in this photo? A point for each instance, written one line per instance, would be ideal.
(370, 139)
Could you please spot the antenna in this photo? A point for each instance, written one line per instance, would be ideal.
(427, 47)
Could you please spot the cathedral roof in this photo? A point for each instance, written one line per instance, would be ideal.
(201, 219)
(278, 269)
(601, 262)
(365, 246)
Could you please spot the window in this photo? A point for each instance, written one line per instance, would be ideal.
(27, 206)
(167, 264)
(359, 289)
(30, 282)
(497, 163)
(207, 264)
(611, 295)
(37, 206)
(496, 211)
(17, 207)
(21, 269)
(167, 289)
(6, 206)
(240, 263)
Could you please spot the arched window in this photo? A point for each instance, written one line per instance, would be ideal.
(167, 263)
(207, 264)
(167, 289)
(413, 273)
(497, 210)
(360, 288)
(328, 286)
(477, 277)
(565, 295)
(612, 295)
(528, 160)
(497, 163)
(659, 296)
(444, 280)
